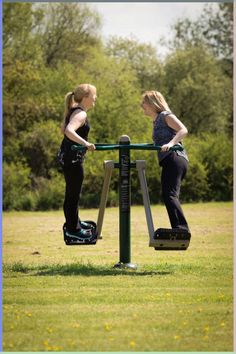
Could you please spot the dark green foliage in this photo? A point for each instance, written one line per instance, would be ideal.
(198, 91)
(218, 158)
(16, 181)
(49, 193)
(141, 57)
(40, 145)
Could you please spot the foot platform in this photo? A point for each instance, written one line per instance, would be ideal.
(171, 240)
(87, 236)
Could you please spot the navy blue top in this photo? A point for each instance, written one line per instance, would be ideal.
(163, 134)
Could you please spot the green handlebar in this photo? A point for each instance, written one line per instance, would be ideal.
(103, 147)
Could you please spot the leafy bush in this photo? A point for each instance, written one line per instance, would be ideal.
(39, 146)
(50, 193)
(217, 152)
(16, 182)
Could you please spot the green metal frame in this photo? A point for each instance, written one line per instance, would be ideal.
(124, 166)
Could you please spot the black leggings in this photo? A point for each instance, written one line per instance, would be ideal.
(74, 176)
(174, 169)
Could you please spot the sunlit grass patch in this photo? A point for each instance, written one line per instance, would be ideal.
(59, 298)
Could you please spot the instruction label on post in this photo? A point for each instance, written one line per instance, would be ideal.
(125, 183)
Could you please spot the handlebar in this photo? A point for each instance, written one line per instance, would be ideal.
(104, 147)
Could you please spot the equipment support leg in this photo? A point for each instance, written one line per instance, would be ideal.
(140, 165)
(108, 166)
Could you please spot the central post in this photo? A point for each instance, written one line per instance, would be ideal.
(124, 203)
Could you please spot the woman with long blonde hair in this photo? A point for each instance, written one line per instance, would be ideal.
(75, 128)
(168, 131)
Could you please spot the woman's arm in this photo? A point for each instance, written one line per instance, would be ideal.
(181, 131)
(77, 120)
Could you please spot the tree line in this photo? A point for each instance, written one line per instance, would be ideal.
(50, 48)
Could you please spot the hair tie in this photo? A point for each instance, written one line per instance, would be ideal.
(72, 93)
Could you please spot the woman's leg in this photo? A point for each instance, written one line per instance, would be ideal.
(74, 176)
(174, 169)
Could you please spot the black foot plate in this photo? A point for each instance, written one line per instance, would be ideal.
(171, 239)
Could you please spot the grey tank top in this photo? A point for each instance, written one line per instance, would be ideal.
(163, 134)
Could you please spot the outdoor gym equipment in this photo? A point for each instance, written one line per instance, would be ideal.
(161, 239)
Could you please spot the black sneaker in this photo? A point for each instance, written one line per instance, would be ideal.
(79, 234)
(87, 224)
(80, 237)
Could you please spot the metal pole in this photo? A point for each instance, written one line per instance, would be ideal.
(108, 166)
(124, 204)
(141, 164)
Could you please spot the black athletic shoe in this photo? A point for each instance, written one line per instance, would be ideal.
(79, 237)
(79, 234)
(87, 225)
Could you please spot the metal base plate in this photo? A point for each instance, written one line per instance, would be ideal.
(130, 266)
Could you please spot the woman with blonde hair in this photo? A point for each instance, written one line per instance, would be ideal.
(168, 130)
(75, 128)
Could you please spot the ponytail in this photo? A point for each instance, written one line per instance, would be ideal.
(68, 105)
(73, 98)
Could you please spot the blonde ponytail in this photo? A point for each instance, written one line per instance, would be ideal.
(68, 103)
(73, 98)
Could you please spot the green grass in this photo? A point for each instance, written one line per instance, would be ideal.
(60, 298)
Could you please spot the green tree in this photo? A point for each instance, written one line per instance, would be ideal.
(197, 90)
(214, 28)
(141, 57)
(68, 31)
(117, 109)
(22, 66)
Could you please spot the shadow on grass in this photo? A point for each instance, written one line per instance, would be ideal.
(86, 270)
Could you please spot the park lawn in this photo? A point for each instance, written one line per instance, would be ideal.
(63, 298)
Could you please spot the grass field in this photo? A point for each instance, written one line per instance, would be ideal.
(61, 298)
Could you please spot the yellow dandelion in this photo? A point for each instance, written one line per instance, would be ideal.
(222, 324)
(49, 330)
(45, 343)
(167, 294)
(176, 337)
(107, 327)
(76, 325)
(206, 329)
(56, 348)
(29, 314)
(132, 344)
